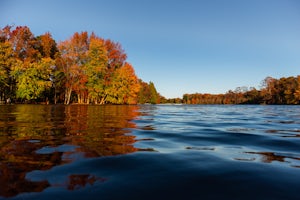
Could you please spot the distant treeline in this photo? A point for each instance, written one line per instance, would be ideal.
(273, 91)
(83, 69)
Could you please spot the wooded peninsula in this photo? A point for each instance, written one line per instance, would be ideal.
(83, 69)
(87, 69)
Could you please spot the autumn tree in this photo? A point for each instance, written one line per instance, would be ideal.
(6, 63)
(33, 80)
(253, 96)
(289, 86)
(82, 69)
(73, 56)
(125, 86)
(47, 45)
(96, 69)
(297, 91)
(116, 55)
(24, 44)
(148, 93)
(273, 91)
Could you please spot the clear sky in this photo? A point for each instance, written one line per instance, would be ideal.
(183, 46)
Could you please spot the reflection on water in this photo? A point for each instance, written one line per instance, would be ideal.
(269, 157)
(149, 152)
(77, 181)
(230, 129)
(36, 137)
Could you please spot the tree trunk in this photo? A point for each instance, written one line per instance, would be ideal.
(68, 96)
(102, 101)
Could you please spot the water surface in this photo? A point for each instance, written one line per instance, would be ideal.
(149, 152)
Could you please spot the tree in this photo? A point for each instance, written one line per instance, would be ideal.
(81, 69)
(148, 93)
(24, 44)
(297, 91)
(47, 45)
(154, 96)
(125, 86)
(34, 80)
(144, 93)
(116, 55)
(289, 86)
(6, 63)
(57, 78)
(95, 70)
(72, 59)
(253, 96)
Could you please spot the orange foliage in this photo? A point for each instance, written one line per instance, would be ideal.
(86, 68)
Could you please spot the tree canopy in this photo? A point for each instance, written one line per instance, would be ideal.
(88, 69)
(82, 69)
(273, 91)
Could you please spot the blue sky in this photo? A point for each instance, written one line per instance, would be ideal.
(183, 46)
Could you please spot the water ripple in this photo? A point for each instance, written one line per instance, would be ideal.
(149, 152)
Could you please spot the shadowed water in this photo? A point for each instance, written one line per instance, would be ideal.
(149, 152)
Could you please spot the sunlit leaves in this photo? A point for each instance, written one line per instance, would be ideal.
(24, 44)
(47, 45)
(6, 61)
(33, 80)
(73, 57)
(82, 69)
(115, 53)
(96, 69)
(125, 86)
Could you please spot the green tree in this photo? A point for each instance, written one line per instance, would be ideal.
(33, 80)
(148, 93)
(144, 93)
(95, 70)
(154, 96)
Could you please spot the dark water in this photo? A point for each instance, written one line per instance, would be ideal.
(149, 152)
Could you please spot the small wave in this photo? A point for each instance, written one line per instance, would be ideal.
(287, 122)
(245, 159)
(286, 133)
(201, 148)
(148, 128)
(145, 139)
(240, 129)
(147, 149)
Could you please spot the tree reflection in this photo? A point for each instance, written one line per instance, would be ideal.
(77, 181)
(269, 157)
(17, 158)
(26, 130)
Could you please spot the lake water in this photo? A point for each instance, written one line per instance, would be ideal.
(149, 152)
